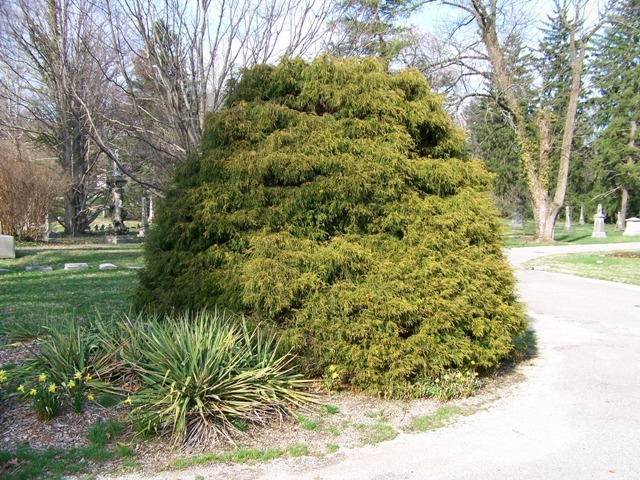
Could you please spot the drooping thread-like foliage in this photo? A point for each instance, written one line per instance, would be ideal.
(333, 202)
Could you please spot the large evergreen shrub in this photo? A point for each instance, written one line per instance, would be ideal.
(334, 202)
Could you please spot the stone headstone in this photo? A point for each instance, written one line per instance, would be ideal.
(4, 270)
(582, 220)
(129, 267)
(7, 247)
(516, 220)
(108, 266)
(633, 227)
(598, 224)
(76, 266)
(47, 229)
(38, 268)
(567, 222)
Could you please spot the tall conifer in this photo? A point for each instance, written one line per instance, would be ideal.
(616, 72)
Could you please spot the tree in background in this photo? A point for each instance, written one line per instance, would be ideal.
(54, 78)
(373, 28)
(334, 203)
(616, 77)
(491, 38)
(174, 59)
(491, 138)
(28, 189)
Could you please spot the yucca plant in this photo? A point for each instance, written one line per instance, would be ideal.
(203, 373)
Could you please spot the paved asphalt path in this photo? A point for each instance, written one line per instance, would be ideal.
(576, 416)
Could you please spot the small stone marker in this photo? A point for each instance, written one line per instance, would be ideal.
(582, 221)
(517, 220)
(75, 266)
(7, 247)
(108, 266)
(598, 224)
(38, 268)
(4, 270)
(129, 267)
(633, 227)
(567, 222)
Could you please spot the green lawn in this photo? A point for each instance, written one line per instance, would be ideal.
(621, 267)
(581, 235)
(63, 293)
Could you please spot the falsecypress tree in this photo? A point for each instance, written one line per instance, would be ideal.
(616, 76)
(333, 203)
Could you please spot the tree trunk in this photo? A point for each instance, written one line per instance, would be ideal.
(625, 190)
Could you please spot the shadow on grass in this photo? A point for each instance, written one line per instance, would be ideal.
(573, 239)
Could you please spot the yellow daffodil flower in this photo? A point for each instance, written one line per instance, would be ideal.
(78, 375)
(42, 377)
(72, 384)
(52, 388)
(128, 400)
(32, 391)
(88, 377)
(21, 388)
(90, 397)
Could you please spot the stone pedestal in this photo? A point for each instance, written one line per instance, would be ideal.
(598, 224)
(568, 227)
(7, 247)
(517, 220)
(633, 227)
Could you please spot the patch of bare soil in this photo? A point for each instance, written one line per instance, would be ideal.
(627, 254)
(340, 420)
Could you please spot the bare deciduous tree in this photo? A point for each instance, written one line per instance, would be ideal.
(53, 79)
(487, 55)
(174, 60)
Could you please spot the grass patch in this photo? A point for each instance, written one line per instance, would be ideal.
(241, 455)
(297, 450)
(332, 448)
(439, 419)
(330, 409)
(376, 433)
(28, 298)
(614, 267)
(307, 423)
(581, 235)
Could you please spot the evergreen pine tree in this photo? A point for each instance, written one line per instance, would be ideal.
(373, 28)
(616, 73)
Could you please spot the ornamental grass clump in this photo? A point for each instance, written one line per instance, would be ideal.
(201, 374)
(336, 203)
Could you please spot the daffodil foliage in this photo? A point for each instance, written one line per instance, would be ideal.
(333, 202)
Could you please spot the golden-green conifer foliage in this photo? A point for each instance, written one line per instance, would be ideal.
(334, 202)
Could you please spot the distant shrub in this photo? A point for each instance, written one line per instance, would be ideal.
(28, 189)
(333, 202)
